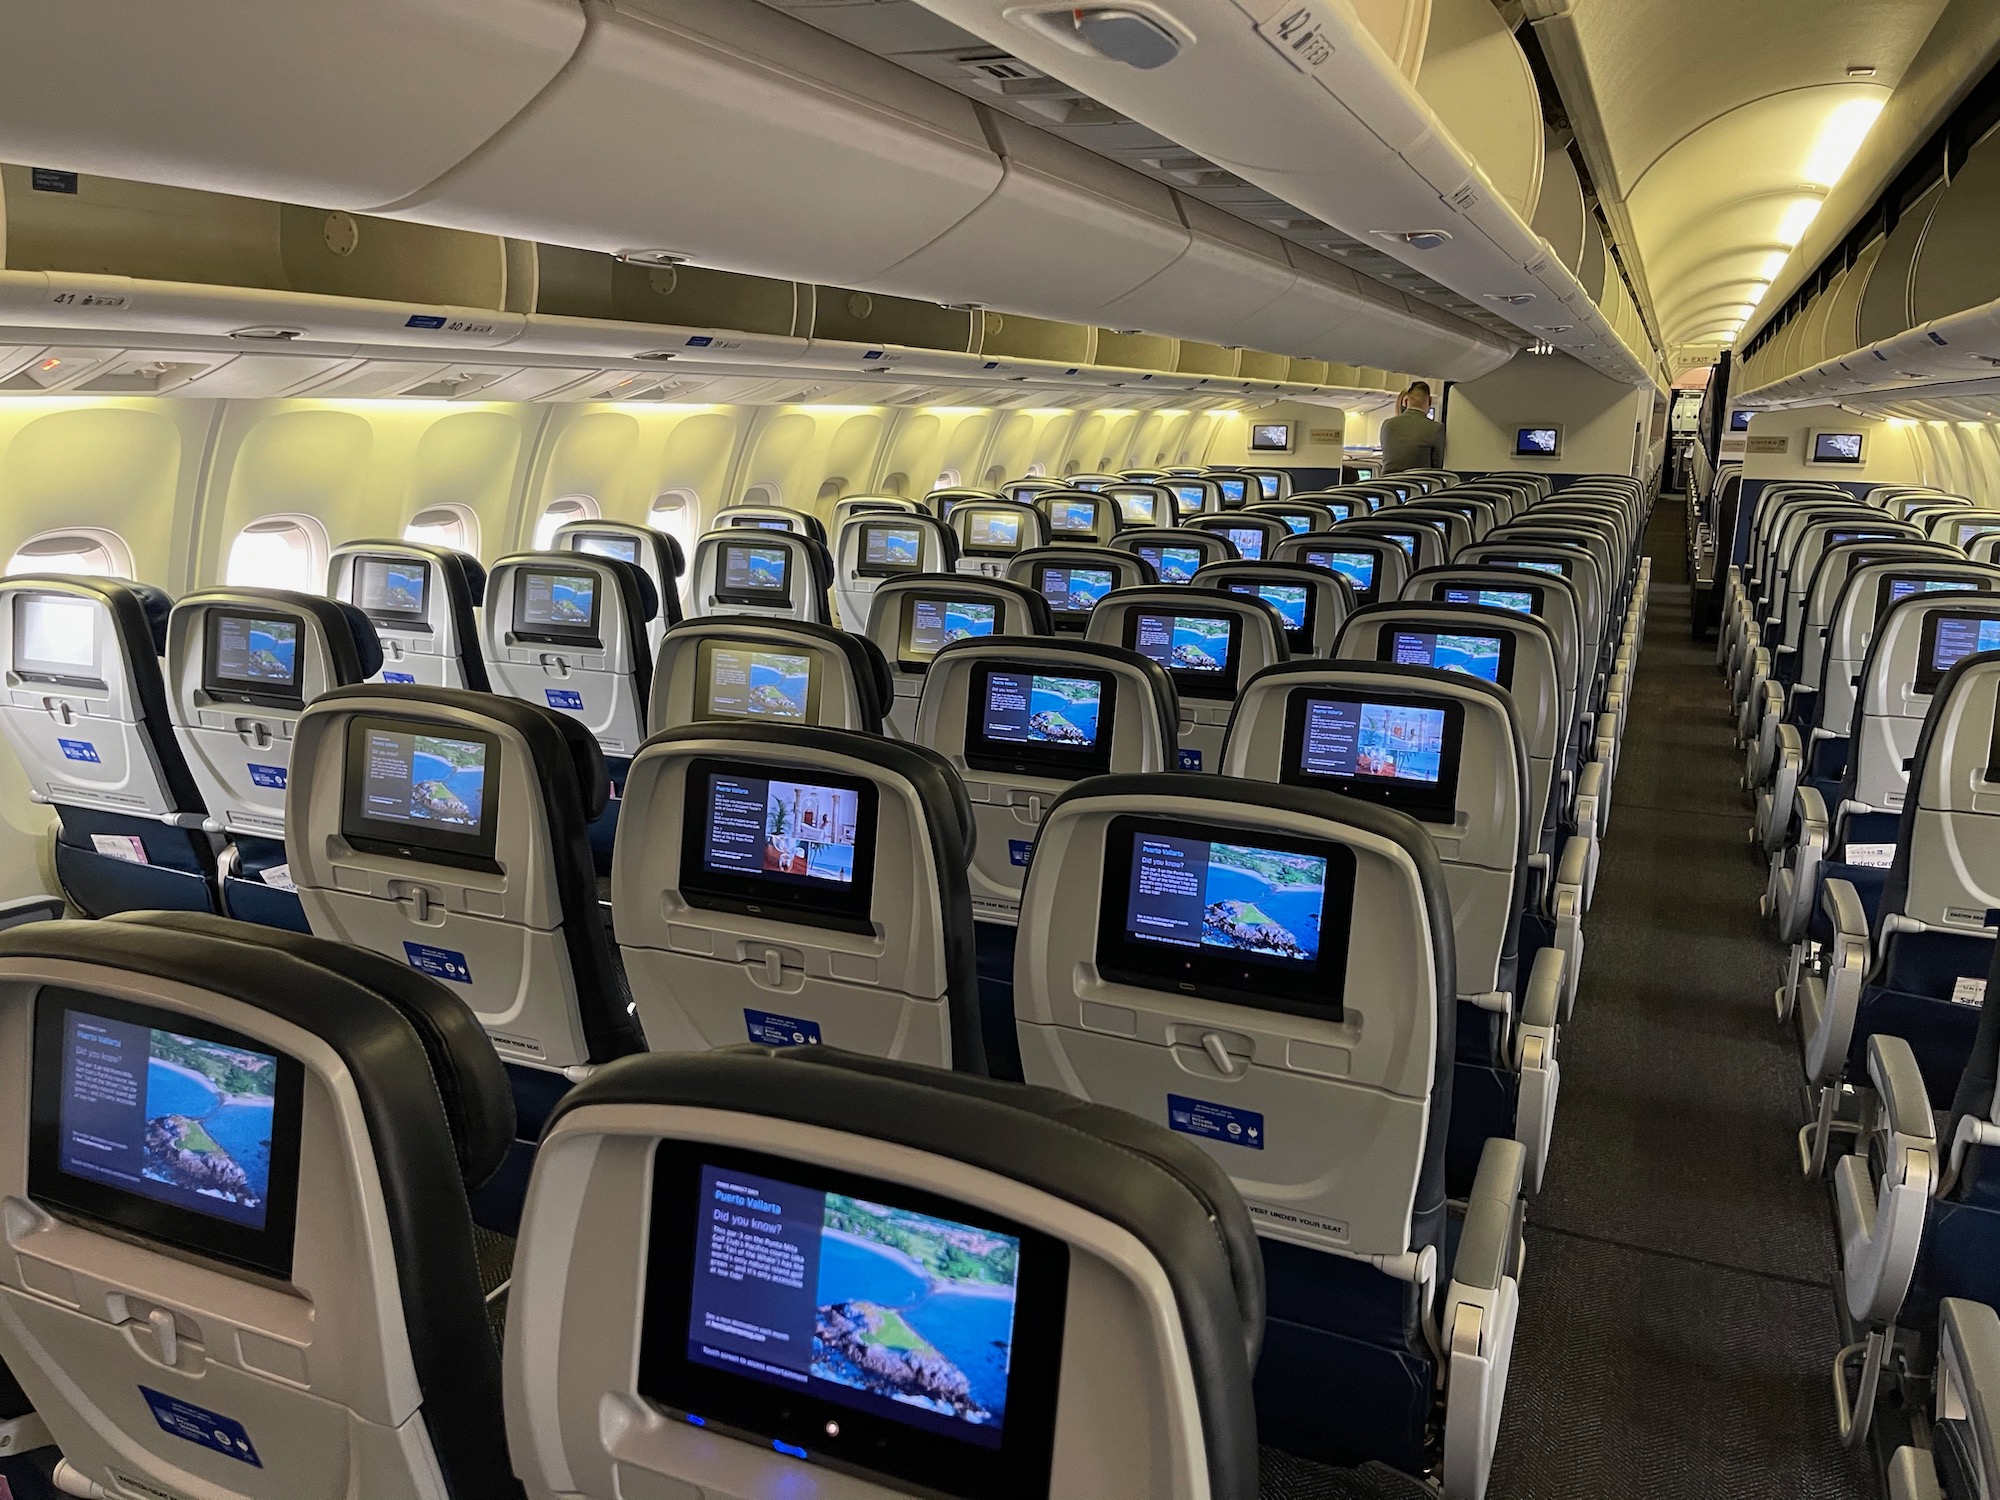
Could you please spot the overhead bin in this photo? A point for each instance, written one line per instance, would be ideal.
(1475, 76)
(1560, 214)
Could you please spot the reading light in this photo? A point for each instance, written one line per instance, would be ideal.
(1425, 239)
(650, 258)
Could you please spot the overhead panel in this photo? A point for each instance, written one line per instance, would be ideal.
(1476, 78)
(1885, 306)
(1559, 212)
(1955, 266)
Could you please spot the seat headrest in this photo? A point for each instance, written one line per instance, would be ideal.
(157, 604)
(649, 596)
(367, 644)
(676, 558)
(475, 579)
(1165, 1192)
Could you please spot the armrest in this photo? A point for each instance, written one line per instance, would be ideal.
(1899, 1085)
(1881, 1218)
(1543, 995)
(1539, 1074)
(1813, 820)
(1574, 864)
(1913, 1476)
(1969, 1374)
(30, 909)
(1842, 905)
(1830, 1021)
(1486, 1241)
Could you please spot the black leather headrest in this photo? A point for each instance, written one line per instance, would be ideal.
(642, 581)
(1165, 1192)
(670, 550)
(475, 578)
(157, 604)
(367, 643)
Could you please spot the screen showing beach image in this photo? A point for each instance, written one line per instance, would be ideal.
(1247, 540)
(1075, 591)
(1173, 564)
(1358, 568)
(995, 531)
(261, 653)
(936, 623)
(1536, 442)
(423, 778)
(1902, 588)
(1232, 491)
(1190, 498)
(1024, 708)
(596, 544)
(794, 829)
(1136, 510)
(1960, 636)
(1267, 486)
(391, 585)
(54, 634)
(893, 547)
(172, 1118)
(1297, 524)
(567, 601)
(1406, 541)
(1184, 643)
(1387, 741)
(1520, 601)
(902, 1314)
(1288, 599)
(1965, 531)
(1072, 515)
(745, 683)
(1532, 564)
(1474, 655)
(1197, 893)
(1271, 435)
(757, 570)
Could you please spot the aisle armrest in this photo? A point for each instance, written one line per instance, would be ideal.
(1969, 1377)
(1836, 994)
(1535, 1060)
(1881, 1220)
(1481, 1306)
(1566, 905)
(1814, 829)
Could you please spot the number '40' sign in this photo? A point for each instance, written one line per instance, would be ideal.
(1302, 36)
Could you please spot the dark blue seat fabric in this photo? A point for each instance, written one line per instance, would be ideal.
(497, 1204)
(177, 874)
(248, 897)
(994, 948)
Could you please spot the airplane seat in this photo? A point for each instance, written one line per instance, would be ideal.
(1375, 568)
(1915, 967)
(238, 1185)
(1236, 487)
(783, 575)
(1195, 494)
(1021, 720)
(1140, 504)
(871, 549)
(650, 550)
(1962, 1461)
(571, 631)
(1174, 553)
(862, 505)
(1272, 484)
(771, 518)
(1210, 643)
(1447, 749)
(449, 831)
(991, 533)
(915, 618)
(1269, 970)
(1251, 534)
(421, 601)
(794, 884)
(86, 713)
(1844, 825)
(1313, 602)
(1961, 528)
(1421, 538)
(242, 666)
(1078, 518)
(1342, 504)
(1304, 513)
(1116, 1274)
(1072, 579)
(787, 671)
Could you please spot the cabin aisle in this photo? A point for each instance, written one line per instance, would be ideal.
(1677, 1325)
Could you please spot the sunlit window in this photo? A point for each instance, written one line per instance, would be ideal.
(451, 526)
(678, 514)
(279, 552)
(561, 513)
(85, 550)
(947, 480)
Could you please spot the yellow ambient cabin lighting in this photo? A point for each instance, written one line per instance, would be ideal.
(1840, 138)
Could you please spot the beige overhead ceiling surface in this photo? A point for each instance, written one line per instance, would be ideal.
(1727, 121)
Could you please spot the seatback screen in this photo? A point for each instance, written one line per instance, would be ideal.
(1292, 601)
(1397, 749)
(1554, 567)
(739, 680)
(393, 591)
(800, 846)
(1267, 484)
(1233, 490)
(1200, 650)
(1519, 601)
(1947, 640)
(993, 531)
(761, 523)
(611, 544)
(166, 1127)
(888, 547)
(1247, 540)
(55, 639)
(252, 658)
(1073, 590)
(1190, 499)
(419, 791)
(1039, 720)
(932, 622)
(1898, 586)
(1240, 915)
(864, 1321)
(747, 573)
(556, 606)
(1490, 658)
(1136, 509)
(1072, 515)
(1172, 564)
(1963, 532)
(1358, 568)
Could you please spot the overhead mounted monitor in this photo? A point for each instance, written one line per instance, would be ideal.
(797, 848)
(1240, 915)
(394, 592)
(165, 1128)
(745, 680)
(1538, 442)
(753, 574)
(413, 792)
(252, 658)
(933, 621)
(55, 640)
(1836, 448)
(1739, 420)
(1042, 720)
(1271, 437)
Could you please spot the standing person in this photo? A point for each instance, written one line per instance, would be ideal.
(1411, 439)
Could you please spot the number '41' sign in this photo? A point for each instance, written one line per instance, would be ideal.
(1301, 34)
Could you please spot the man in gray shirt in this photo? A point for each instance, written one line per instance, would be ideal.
(1410, 439)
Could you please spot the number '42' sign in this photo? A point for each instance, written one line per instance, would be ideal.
(1301, 34)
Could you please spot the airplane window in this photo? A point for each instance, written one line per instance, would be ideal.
(560, 513)
(452, 526)
(947, 480)
(678, 514)
(1037, 469)
(279, 552)
(86, 550)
